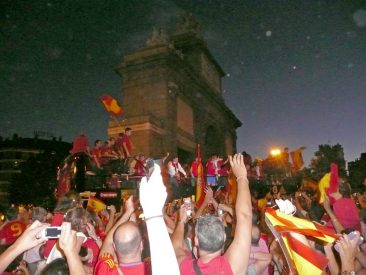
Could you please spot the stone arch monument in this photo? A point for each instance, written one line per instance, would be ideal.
(172, 97)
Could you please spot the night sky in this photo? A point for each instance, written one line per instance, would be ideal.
(296, 70)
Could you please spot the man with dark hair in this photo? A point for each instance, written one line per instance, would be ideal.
(12, 228)
(96, 153)
(176, 173)
(260, 257)
(210, 234)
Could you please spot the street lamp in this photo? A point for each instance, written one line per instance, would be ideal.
(275, 152)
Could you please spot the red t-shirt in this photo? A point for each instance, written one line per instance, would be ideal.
(11, 231)
(90, 243)
(80, 144)
(211, 168)
(127, 141)
(217, 266)
(106, 265)
(139, 168)
(223, 169)
(119, 142)
(194, 168)
(97, 153)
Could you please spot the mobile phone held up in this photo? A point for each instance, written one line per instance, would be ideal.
(52, 232)
(351, 236)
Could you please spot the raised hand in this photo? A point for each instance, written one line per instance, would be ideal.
(153, 194)
(238, 166)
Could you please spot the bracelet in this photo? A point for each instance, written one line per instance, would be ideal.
(153, 217)
(240, 177)
(348, 273)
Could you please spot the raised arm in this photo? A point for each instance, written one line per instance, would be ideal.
(69, 245)
(107, 246)
(29, 239)
(207, 199)
(152, 198)
(111, 219)
(178, 235)
(337, 225)
(238, 251)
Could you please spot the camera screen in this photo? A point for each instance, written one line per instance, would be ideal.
(53, 232)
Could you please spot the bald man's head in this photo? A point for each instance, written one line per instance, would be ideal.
(127, 240)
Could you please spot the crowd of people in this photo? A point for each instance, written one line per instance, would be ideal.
(160, 233)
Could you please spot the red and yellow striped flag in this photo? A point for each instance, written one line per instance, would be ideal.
(95, 204)
(305, 259)
(302, 257)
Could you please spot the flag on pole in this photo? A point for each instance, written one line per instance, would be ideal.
(200, 186)
(95, 204)
(111, 104)
(297, 160)
(302, 258)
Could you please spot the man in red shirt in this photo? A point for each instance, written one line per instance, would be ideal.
(210, 234)
(80, 145)
(12, 228)
(81, 156)
(194, 170)
(211, 173)
(96, 153)
(125, 241)
(126, 143)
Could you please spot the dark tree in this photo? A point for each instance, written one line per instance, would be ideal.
(324, 157)
(357, 172)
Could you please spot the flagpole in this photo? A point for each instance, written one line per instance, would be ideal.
(116, 120)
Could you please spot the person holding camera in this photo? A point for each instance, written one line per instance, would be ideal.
(210, 235)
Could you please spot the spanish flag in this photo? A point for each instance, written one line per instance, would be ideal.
(323, 186)
(111, 104)
(200, 187)
(297, 160)
(301, 258)
(329, 183)
(95, 204)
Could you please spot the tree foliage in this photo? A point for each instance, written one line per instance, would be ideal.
(326, 155)
(357, 171)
